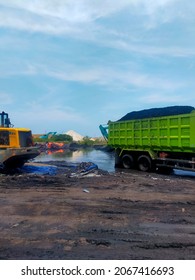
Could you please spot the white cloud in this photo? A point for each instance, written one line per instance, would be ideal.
(150, 49)
(59, 16)
(151, 7)
(38, 116)
(113, 78)
(160, 12)
(5, 99)
(157, 98)
(55, 17)
(72, 11)
(124, 76)
(80, 19)
(105, 76)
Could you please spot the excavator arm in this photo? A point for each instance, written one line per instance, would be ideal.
(104, 131)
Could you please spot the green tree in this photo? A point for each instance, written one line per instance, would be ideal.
(61, 138)
(87, 141)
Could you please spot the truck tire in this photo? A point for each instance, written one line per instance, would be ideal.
(127, 161)
(144, 163)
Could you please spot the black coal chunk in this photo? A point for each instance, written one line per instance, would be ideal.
(157, 112)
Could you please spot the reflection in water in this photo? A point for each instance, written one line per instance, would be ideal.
(55, 152)
(103, 160)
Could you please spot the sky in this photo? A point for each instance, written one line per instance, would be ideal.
(73, 65)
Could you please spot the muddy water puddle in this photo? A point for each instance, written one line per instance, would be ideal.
(104, 160)
(71, 159)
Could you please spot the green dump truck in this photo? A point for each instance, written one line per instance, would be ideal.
(155, 139)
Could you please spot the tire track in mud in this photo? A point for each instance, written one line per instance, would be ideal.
(121, 217)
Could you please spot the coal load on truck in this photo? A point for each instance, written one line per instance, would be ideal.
(157, 112)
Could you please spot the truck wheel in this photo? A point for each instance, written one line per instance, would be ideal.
(127, 161)
(144, 163)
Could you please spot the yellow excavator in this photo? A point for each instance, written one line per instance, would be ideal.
(16, 144)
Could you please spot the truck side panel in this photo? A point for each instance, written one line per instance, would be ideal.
(170, 133)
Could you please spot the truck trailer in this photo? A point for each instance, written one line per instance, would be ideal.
(160, 139)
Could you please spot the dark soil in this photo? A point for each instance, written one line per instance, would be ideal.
(125, 215)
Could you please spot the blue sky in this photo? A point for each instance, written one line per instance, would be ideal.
(72, 65)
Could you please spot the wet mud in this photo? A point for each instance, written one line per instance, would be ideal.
(122, 215)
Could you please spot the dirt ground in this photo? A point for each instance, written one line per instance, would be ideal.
(123, 215)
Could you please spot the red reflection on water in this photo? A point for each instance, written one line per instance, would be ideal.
(50, 152)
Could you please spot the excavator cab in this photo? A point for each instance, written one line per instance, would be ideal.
(5, 121)
(16, 144)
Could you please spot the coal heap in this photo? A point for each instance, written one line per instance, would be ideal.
(157, 112)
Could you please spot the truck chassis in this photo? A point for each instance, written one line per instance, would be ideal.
(154, 161)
